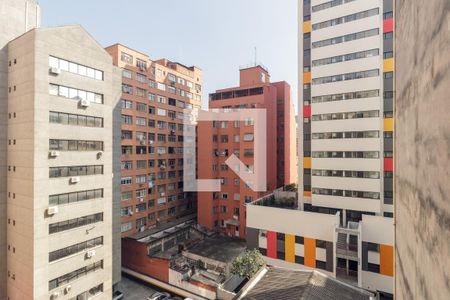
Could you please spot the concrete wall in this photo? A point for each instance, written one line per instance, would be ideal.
(422, 139)
(17, 16)
(30, 182)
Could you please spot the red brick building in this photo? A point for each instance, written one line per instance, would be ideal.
(224, 211)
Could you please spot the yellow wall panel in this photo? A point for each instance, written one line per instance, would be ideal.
(388, 65)
(306, 26)
(307, 162)
(289, 248)
(389, 124)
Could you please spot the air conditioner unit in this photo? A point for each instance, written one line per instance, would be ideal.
(55, 71)
(54, 153)
(67, 289)
(131, 213)
(162, 194)
(90, 254)
(141, 199)
(52, 210)
(151, 142)
(142, 228)
(74, 179)
(85, 103)
(55, 295)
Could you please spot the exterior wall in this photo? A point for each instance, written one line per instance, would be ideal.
(157, 71)
(135, 257)
(422, 206)
(17, 17)
(275, 98)
(29, 183)
(193, 286)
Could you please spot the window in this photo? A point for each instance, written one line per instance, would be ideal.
(161, 86)
(388, 15)
(161, 112)
(126, 226)
(127, 73)
(126, 104)
(73, 249)
(141, 78)
(329, 4)
(126, 180)
(141, 121)
(73, 119)
(346, 96)
(347, 115)
(57, 172)
(75, 68)
(73, 145)
(141, 92)
(75, 223)
(126, 58)
(142, 65)
(346, 57)
(346, 135)
(127, 119)
(142, 107)
(59, 199)
(151, 97)
(346, 19)
(346, 38)
(388, 75)
(125, 196)
(248, 137)
(388, 54)
(347, 154)
(345, 77)
(75, 94)
(79, 273)
(91, 293)
(388, 36)
(162, 99)
(346, 193)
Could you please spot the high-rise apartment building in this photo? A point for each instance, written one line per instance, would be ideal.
(17, 18)
(224, 211)
(154, 95)
(62, 94)
(422, 141)
(346, 70)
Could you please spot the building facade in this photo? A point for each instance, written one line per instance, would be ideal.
(17, 18)
(154, 95)
(346, 69)
(422, 206)
(224, 211)
(62, 93)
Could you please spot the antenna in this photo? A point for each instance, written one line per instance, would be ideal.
(256, 52)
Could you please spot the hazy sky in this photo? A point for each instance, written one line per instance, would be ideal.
(218, 36)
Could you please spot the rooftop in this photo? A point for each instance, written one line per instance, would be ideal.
(285, 197)
(219, 248)
(284, 284)
(162, 229)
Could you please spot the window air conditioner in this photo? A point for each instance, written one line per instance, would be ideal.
(90, 254)
(74, 179)
(84, 103)
(67, 289)
(55, 295)
(162, 194)
(54, 153)
(55, 71)
(52, 210)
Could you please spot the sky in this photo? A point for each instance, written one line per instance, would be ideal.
(218, 36)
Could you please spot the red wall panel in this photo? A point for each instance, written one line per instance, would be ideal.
(271, 244)
(389, 164)
(388, 25)
(306, 111)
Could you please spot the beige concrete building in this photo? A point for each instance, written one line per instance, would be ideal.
(63, 94)
(17, 16)
(422, 136)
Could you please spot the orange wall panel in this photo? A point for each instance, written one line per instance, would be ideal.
(306, 77)
(386, 260)
(310, 252)
(307, 162)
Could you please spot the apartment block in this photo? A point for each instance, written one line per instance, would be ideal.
(422, 206)
(154, 95)
(224, 211)
(63, 91)
(17, 18)
(346, 106)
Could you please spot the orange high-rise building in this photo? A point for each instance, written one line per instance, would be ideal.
(154, 95)
(224, 211)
